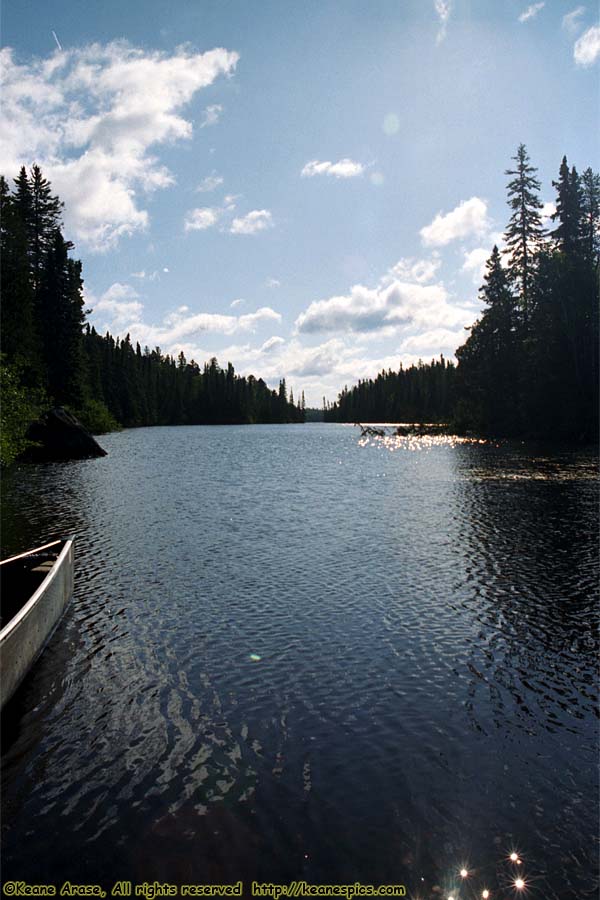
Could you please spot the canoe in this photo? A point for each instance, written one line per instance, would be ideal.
(36, 589)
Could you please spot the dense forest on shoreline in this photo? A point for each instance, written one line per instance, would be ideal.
(51, 356)
(529, 367)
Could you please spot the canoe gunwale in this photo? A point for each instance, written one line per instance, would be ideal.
(41, 590)
(27, 553)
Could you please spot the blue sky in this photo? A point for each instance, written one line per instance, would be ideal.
(310, 189)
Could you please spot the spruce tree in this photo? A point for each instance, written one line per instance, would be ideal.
(567, 236)
(590, 207)
(524, 233)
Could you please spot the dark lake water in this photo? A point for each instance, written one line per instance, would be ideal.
(295, 655)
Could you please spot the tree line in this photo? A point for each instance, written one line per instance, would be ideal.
(50, 355)
(421, 393)
(529, 366)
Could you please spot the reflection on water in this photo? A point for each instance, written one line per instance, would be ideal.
(292, 655)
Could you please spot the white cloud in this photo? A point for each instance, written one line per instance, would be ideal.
(121, 309)
(432, 343)
(120, 305)
(344, 168)
(469, 218)
(419, 270)
(570, 22)
(546, 213)
(587, 49)
(210, 183)
(202, 218)
(90, 117)
(474, 263)
(272, 283)
(443, 9)
(531, 12)
(390, 306)
(271, 343)
(239, 302)
(212, 114)
(252, 222)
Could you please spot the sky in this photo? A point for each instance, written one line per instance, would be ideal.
(308, 190)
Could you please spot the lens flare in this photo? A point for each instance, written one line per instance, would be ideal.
(514, 857)
(485, 894)
(519, 884)
(463, 873)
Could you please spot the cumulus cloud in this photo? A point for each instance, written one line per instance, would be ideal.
(120, 304)
(546, 213)
(587, 49)
(419, 270)
(432, 343)
(571, 21)
(443, 9)
(252, 222)
(202, 218)
(344, 168)
(474, 263)
(271, 344)
(391, 305)
(210, 183)
(121, 309)
(272, 283)
(212, 114)
(531, 12)
(469, 218)
(92, 116)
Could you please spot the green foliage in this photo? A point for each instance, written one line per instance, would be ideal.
(530, 364)
(422, 393)
(105, 381)
(19, 406)
(94, 416)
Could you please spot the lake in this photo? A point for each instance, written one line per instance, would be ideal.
(295, 654)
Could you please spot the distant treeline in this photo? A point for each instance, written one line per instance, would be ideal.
(530, 364)
(422, 393)
(50, 356)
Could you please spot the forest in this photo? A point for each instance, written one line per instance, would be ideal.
(51, 356)
(529, 367)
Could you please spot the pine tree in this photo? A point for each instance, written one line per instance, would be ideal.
(524, 233)
(567, 236)
(62, 319)
(590, 207)
(45, 219)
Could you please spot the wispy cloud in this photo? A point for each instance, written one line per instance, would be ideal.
(91, 116)
(202, 218)
(443, 9)
(587, 49)
(469, 218)
(253, 222)
(571, 21)
(210, 183)
(531, 12)
(211, 115)
(120, 304)
(344, 168)
(121, 308)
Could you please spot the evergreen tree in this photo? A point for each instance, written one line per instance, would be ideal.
(590, 207)
(568, 235)
(524, 233)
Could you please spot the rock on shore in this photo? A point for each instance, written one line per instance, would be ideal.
(59, 435)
